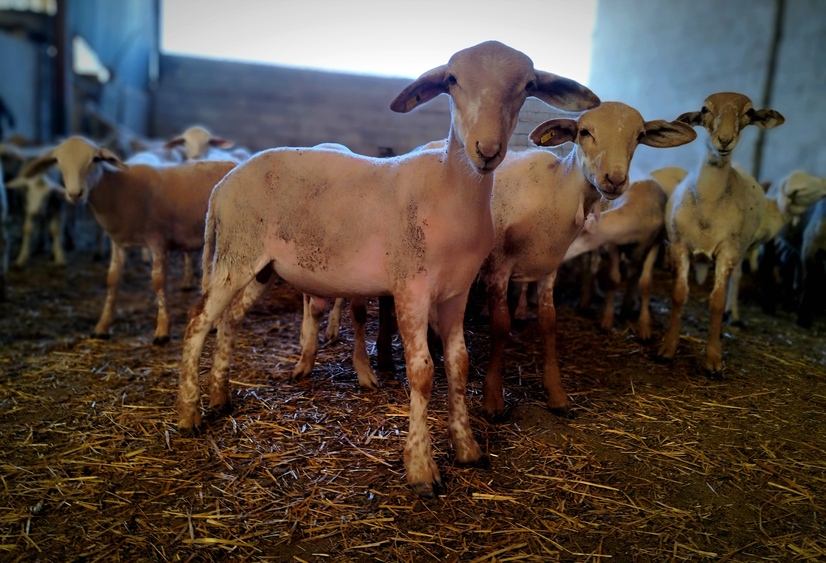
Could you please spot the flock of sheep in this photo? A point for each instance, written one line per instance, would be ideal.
(421, 227)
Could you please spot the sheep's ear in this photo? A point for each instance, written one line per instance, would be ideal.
(663, 134)
(690, 118)
(766, 118)
(18, 183)
(220, 143)
(562, 93)
(172, 143)
(423, 89)
(107, 156)
(554, 132)
(38, 165)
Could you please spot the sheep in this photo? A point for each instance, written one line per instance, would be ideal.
(718, 212)
(197, 143)
(45, 199)
(161, 207)
(539, 206)
(415, 226)
(633, 224)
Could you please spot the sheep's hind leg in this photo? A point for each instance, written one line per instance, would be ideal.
(219, 396)
(551, 378)
(680, 262)
(309, 337)
(493, 399)
(361, 361)
(159, 262)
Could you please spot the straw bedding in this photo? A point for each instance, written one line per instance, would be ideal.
(660, 463)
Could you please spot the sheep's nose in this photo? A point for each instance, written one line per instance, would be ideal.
(615, 180)
(725, 142)
(488, 152)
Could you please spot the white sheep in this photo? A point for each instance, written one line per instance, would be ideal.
(45, 200)
(539, 206)
(197, 143)
(718, 212)
(416, 226)
(161, 207)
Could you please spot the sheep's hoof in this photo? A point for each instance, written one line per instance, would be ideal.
(428, 490)
(482, 462)
(160, 340)
(562, 412)
(189, 431)
(101, 336)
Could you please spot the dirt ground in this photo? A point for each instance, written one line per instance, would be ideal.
(659, 463)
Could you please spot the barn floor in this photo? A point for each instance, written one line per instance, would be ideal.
(660, 463)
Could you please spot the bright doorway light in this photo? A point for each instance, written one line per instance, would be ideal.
(386, 37)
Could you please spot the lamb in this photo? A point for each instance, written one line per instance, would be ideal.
(539, 207)
(199, 144)
(161, 207)
(45, 200)
(633, 224)
(718, 212)
(415, 226)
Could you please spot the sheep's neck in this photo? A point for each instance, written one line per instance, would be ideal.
(715, 171)
(572, 170)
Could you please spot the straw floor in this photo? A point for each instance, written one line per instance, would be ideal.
(660, 463)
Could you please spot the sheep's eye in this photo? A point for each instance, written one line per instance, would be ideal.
(451, 79)
(704, 110)
(530, 86)
(584, 133)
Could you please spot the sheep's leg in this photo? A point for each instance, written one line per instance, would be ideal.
(188, 283)
(202, 317)
(387, 327)
(451, 314)
(309, 337)
(361, 361)
(112, 279)
(56, 227)
(230, 322)
(645, 284)
(614, 280)
(521, 310)
(334, 321)
(25, 243)
(723, 268)
(493, 399)
(551, 379)
(412, 317)
(733, 295)
(160, 258)
(680, 262)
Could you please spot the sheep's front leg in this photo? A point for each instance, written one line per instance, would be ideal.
(645, 292)
(723, 267)
(422, 473)
(451, 314)
(112, 279)
(309, 337)
(334, 321)
(25, 243)
(493, 399)
(160, 258)
(230, 322)
(56, 225)
(614, 279)
(680, 262)
(361, 361)
(551, 379)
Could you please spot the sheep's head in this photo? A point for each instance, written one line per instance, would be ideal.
(488, 84)
(81, 164)
(724, 115)
(196, 142)
(606, 138)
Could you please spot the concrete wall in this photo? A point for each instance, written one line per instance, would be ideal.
(262, 106)
(664, 58)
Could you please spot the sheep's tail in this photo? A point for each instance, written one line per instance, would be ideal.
(208, 257)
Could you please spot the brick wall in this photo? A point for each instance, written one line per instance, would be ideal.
(664, 58)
